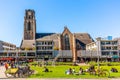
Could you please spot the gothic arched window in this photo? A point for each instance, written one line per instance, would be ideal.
(28, 26)
(67, 42)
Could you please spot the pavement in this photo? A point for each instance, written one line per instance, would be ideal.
(2, 70)
(52, 79)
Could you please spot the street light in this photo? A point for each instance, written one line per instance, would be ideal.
(98, 60)
(98, 50)
(35, 48)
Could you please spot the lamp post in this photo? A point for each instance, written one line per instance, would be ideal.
(98, 60)
(98, 51)
(35, 48)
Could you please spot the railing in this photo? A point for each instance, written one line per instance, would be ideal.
(15, 51)
(63, 54)
(84, 53)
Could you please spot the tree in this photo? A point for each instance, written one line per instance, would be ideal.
(56, 48)
(27, 48)
(34, 48)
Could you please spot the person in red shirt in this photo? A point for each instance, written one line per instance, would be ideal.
(6, 65)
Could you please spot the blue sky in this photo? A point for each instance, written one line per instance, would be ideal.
(96, 17)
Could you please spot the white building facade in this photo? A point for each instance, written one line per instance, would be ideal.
(104, 48)
(7, 46)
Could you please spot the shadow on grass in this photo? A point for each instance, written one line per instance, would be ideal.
(111, 76)
(39, 75)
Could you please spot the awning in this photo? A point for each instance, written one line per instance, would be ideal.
(116, 56)
(6, 58)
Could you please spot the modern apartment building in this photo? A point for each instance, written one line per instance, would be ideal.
(4, 48)
(44, 48)
(106, 49)
(7, 46)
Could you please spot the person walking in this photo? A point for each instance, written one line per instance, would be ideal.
(6, 65)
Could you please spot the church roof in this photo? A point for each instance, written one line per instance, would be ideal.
(83, 37)
(41, 35)
(51, 36)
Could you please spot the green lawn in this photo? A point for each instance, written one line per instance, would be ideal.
(59, 72)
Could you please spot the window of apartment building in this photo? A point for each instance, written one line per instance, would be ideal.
(4, 48)
(107, 53)
(108, 42)
(114, 42)
(49, 48)
(49, 43)
(114, 48)
(9, 54)
(67, 42)
(39, 48)
(45, 43)
(31, 54)
(45, 48)
(103, 47)
(114, 53)
(3, 54)
(42, 43)
(39, 43)
(42, 48)
(108, 48)
(103, 53)
(22, 54)
(36, 43)
(12, 54)
(103, 43)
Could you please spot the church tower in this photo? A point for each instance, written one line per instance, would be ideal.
(29, 25)
(29, 29)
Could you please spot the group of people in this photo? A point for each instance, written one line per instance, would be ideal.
(114, 70)
(72, 71)
(9, 65)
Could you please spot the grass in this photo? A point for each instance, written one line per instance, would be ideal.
(59, 72)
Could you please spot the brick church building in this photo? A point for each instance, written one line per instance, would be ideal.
(50, 44)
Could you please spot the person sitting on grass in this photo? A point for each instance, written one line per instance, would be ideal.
(114, 70)
(46, 70)
(68, 72)
(73, 70)
(80, 71)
